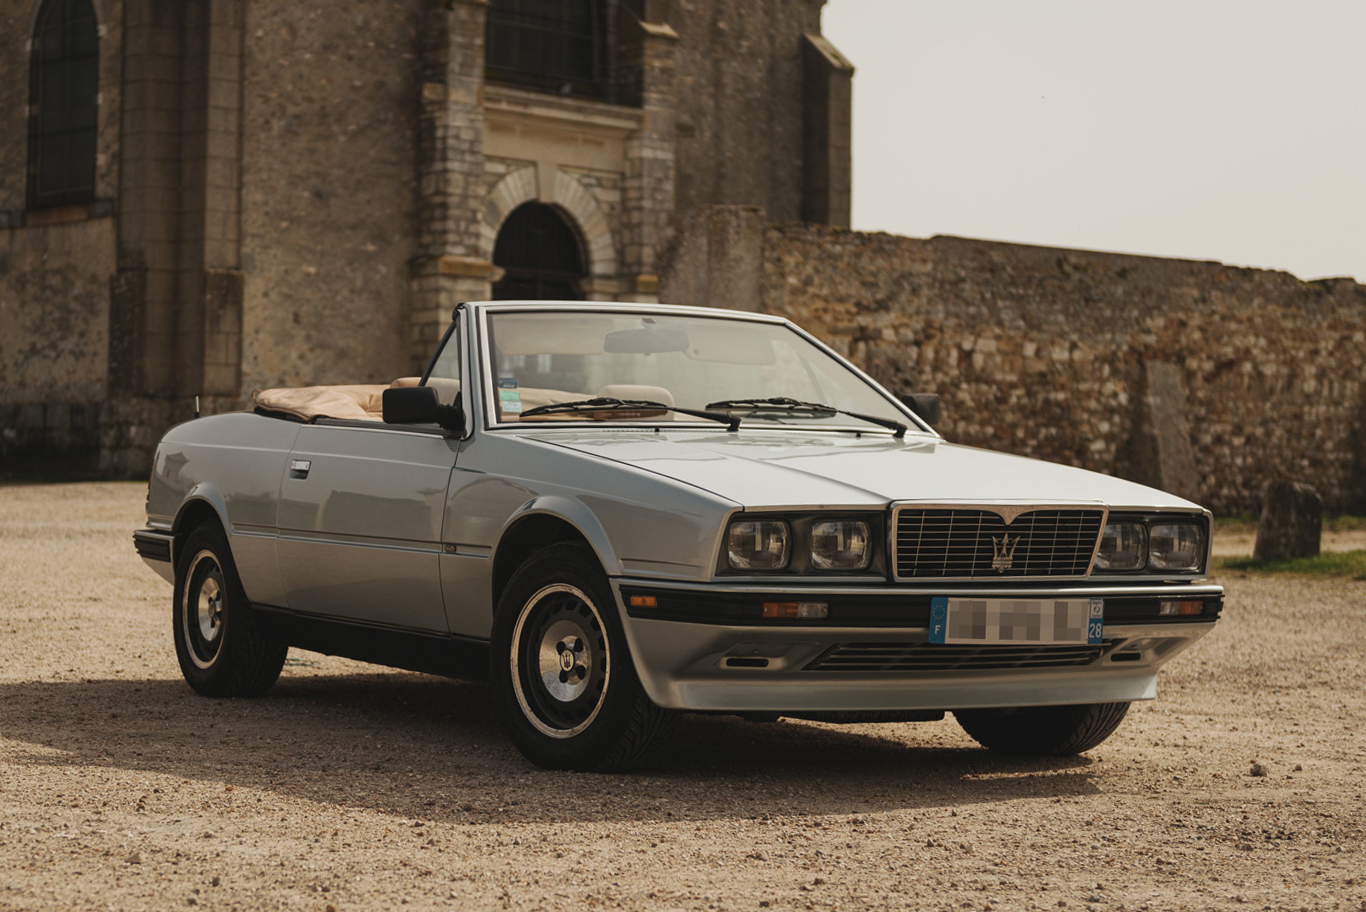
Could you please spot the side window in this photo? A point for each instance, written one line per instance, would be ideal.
(63, 104)
(445, 375)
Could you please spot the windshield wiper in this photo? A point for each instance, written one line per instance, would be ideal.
(606, 404)
(788, 404)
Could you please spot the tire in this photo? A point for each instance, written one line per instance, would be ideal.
(223, 648)
(562, 676)
(1043, 730)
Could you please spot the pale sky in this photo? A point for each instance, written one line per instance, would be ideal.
(1231, 130)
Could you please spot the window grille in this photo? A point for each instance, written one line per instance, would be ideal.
(63, 104)
(552, 45)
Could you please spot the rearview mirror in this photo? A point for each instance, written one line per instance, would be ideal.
(648, 341)
(925, 405)
(420, 405)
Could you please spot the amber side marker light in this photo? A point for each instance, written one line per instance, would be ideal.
(796, 610)
(644, 601)
(1183, 607)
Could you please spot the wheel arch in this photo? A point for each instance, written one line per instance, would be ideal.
(203, 503)
(545, 522)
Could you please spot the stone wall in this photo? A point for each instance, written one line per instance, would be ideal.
(740, 105)
(1044, 352)
(54, 339)
(16, 25)
(328, 190)
(55, 267)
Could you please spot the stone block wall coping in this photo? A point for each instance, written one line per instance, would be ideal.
(578, 113)
(468, 267)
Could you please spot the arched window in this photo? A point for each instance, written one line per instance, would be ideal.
(64, 86)
(552, 45)
(540, 255)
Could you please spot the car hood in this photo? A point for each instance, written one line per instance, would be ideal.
(769, 469)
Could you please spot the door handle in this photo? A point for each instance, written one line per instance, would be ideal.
(298, 468)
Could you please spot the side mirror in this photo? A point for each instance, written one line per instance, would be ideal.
(925, 405)
(419, 405)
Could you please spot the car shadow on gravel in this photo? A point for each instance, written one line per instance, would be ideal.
(429, 748)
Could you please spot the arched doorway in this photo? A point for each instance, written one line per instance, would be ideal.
(540, 254)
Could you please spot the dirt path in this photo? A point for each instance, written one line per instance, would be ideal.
(354, 788)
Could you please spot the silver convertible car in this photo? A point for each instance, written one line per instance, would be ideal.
(621, 512)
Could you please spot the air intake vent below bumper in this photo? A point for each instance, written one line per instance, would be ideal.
(931, 657)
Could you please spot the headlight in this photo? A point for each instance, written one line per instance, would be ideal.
(840, 545)
(1176, 546)
(1124, 546)
(758, 544)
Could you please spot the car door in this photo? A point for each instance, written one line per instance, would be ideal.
(361, 508)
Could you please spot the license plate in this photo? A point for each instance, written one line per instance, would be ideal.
(1011, 621)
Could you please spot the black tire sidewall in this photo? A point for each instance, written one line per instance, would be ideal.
(230, 671)
(575, 565)
(1043, 730)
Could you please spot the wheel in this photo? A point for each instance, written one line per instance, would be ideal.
(224, 650)
(1042, 730)
(562, 677)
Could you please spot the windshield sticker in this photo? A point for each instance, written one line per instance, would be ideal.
(509, 398)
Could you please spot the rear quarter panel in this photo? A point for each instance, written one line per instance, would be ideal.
(233, 463)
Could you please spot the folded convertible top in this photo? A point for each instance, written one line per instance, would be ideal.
(362, 401)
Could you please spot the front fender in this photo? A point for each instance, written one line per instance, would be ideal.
(577, 514)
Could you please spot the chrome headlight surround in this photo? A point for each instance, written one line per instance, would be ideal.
(821, 545)
(1169, 544)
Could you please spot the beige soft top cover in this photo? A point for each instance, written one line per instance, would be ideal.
(359, 402)
(362, 402)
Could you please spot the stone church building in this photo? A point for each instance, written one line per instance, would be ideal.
(203, 197)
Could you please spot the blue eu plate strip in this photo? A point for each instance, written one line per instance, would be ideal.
(1095, 624)
(939, 619)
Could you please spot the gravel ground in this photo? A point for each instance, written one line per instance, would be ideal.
(356, 788)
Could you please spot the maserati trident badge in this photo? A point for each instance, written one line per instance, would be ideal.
(1003, 552)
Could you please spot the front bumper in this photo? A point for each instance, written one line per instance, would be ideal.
(705, 648)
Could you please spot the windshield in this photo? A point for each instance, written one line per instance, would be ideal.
(548, 358)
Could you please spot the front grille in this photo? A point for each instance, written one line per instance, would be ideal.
(969, 543)
(931, 657)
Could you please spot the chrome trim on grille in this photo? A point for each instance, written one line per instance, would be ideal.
(903, 657)
(959, 541)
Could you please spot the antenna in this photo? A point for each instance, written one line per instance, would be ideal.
(196, 406)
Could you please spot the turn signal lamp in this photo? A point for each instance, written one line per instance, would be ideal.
(790, 611)
(1180, 608)
(644, 601)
